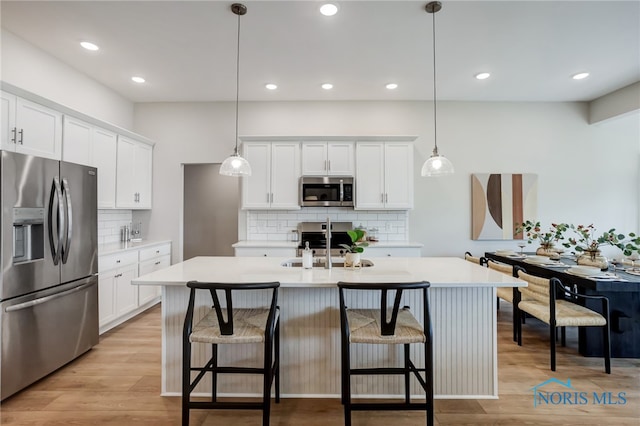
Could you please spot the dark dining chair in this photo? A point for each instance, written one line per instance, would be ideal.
(386, 325)
(508, 294)
(225, 324)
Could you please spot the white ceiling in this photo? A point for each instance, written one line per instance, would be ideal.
(187, 49)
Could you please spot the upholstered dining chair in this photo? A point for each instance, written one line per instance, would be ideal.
(508, 294)
(556, 305)
(225, 324)
(386, 325)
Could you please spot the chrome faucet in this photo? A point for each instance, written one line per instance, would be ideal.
(327, 262)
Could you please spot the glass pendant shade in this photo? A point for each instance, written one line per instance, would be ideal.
(437, 165)
(235, 165)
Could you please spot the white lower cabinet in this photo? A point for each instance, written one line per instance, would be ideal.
(152, 259)
(118, 299)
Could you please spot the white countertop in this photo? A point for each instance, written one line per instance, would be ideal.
(125, 246)
(439, 271)
(289, 244)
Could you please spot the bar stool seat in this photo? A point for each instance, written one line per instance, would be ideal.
(365, 326)
(222, 324)
(387, 326)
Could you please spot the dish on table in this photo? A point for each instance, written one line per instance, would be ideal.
(538, 260)
(505, 252)
(585, 271)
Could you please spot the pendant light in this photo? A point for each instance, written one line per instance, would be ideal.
(436, 165)
(235, 165)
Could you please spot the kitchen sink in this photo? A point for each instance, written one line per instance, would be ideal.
(319, 263)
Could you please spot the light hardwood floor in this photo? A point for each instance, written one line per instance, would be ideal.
(118, 383)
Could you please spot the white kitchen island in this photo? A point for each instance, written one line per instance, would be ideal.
(463, 314)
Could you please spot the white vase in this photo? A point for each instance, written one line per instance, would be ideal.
(352, 260)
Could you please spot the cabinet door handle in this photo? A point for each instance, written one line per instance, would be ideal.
(158, 262)
(382, 197)
(272, 197)
(268, 195)
(14, 131)
(325, 164)
(386, 198)
(329, 165)
(118, 261)
(21, 132)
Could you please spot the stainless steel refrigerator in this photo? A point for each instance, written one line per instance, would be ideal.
(49, 256)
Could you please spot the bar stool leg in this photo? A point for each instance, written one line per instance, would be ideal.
(277, 361)
(214, 371)
(407, 376)
(346, 381)
(186, 381)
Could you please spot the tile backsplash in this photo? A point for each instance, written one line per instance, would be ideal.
(109, 224)
(277, 225)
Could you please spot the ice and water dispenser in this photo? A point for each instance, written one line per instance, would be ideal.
(28, 234)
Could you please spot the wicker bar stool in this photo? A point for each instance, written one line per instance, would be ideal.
(224, 324)
(387, 326)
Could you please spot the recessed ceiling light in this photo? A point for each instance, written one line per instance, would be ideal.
(329, 9)
(483, 75)
(327, 86)
(391, 86)
(580, 75)
(89, 46)
(271, 86)
(138, 79)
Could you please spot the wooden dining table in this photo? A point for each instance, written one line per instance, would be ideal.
(621, 288)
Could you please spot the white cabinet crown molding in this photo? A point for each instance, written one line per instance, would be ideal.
(9, 88)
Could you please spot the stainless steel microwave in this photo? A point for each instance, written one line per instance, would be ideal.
(328, 191)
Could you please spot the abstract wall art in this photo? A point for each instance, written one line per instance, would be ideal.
(499, 201)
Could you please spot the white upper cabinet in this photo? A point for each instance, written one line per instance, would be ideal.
(275, 171)
(134, 174)
(8, 122)
(30, 128)
(76, 141)
(104, 157)
(327, 158)
(384, 175)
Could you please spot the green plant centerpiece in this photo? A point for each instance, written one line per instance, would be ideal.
(547, 238)
(587, 243)
(358, 243)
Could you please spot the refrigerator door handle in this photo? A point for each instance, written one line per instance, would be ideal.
(45, 299)
(66, 191)
(56, 246)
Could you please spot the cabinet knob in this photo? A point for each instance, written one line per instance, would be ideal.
(118, 261)
(265, 255)
(158, 262)
(157, 251)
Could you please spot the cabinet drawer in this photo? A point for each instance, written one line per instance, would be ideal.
(155, 251)
(117, 260)
(152, 265)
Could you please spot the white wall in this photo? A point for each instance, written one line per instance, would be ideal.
(29, 68)
(587, 174)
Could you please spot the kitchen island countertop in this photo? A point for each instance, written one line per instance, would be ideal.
(439, 271)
